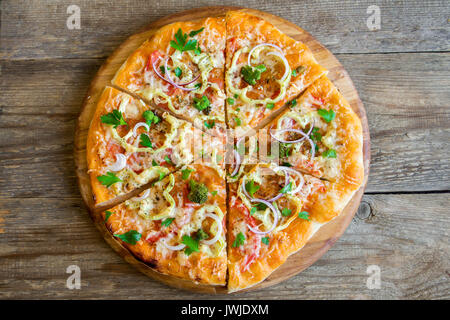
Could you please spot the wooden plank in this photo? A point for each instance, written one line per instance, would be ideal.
(37, 29)
(410, 246)
(405, 95)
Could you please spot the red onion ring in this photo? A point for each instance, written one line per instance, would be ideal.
(121, 162)
(170, 79)
(276, 215)
(291, 130)
(219, 229)
(143, 197)
(287, 68)
(138, 125)
(179, 86)
(237, 164)
(278, 196)
(179, 247)
(305, 136)
(295, 172)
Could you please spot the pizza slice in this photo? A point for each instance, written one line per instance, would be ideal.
(131, 144)
(180, 68)
(321, 135)
(265, 69)
(177, 226)
(272, 214)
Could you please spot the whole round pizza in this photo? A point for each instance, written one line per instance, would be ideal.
(241, 144)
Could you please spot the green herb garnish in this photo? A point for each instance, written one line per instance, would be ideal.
(131, 237)
(327, 115)
(108, 179)
(144, 140)
(114, 118)
(239, 241)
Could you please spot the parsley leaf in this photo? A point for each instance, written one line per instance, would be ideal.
(167, 159)
(327, 115)
(286, 164)
(131, 237)
(150, 117)
(177, 71)
(181, 44)
(114, 118)
(239, 241)
(167, 222)
(196, 32)
(209, 125)
(304, 215)
(197, 50)
(236, 96)
(270, 106)
(293, 103)
(144, 140)
(238, 121)
(108, 179)
(107, 215)
(202, 103)
(251, 187)
(265, 240)
(253, 210)
(315, 134)
(185, 173)
(162, 69)
(287, 188)
(330, 153)
(214, 193)
(230, 101)
(286, 212)
(191, 244)
(252, 74)
(154, 163)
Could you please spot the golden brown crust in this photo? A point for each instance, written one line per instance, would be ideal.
(197, 267)
(349, 129)
(106, 103)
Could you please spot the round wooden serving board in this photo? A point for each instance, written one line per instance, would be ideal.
(319, 243)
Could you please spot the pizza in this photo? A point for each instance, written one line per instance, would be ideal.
(184, 60)
(179, 174)
(264, 70)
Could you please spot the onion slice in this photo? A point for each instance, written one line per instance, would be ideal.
(305, 136)
(288, 170)
(169, 80)
(261, 45)
(138, 125)
(291, 130)
(179, 247)
(121, 162)
(287, 68)
(219, 229)
(278, 196)
(276, 215)
(237, 164)
(144, 196)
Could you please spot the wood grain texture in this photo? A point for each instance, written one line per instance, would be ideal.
(45, 70)
(409, 245)
(317, 245)
(406, 26)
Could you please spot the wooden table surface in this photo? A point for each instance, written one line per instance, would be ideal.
(401, 71)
